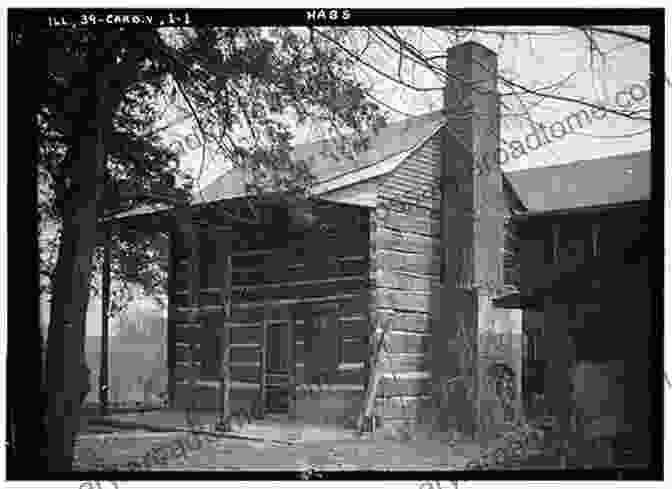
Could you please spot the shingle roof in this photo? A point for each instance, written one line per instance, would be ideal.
(587, 183)
(385, 151)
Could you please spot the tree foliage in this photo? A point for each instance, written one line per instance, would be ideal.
(247, 88)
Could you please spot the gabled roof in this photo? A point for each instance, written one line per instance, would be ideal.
(387, 149)
(333, 170)
(587, 183)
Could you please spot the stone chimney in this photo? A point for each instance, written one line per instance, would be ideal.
(472, 227)
(471, 166)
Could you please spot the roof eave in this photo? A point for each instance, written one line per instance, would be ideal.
(578, 210)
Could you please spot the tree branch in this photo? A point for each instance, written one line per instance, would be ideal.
(614, 32)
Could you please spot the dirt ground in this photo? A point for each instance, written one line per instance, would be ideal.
(244, 454)
(269, 444)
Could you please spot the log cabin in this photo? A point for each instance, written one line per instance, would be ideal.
(372, 309)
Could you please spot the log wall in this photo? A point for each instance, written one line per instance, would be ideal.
(280, 277)
(406, 261)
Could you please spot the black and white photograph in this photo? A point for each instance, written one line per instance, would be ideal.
(334, 243)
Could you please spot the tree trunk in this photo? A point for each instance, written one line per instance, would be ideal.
(68, 375)
(66, 367)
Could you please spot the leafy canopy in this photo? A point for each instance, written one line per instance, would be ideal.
(247, 89)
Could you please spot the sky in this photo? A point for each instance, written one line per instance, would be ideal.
(559, 54)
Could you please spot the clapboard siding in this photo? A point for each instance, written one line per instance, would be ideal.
(416, 179)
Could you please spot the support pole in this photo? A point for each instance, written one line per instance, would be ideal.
(103, 380)
(171, 324)
(224, 421)
(291, 367)
(261, 407)
(224, 337)
(188, 230)
(192, 235)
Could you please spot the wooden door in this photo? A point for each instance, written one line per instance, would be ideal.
(278, 366)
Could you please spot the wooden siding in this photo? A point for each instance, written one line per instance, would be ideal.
(416, 181)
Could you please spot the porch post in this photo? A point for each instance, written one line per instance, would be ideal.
(187, 232)
(192, 235)
(225, 266)
(171, 323)
(103, 380)
(291, 346)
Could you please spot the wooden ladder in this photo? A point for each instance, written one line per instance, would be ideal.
(366, 422)
(224, 421)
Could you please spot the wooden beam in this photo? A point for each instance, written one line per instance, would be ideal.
(188, 231)
(262, 360)
(305, 300)
(103, 380)
(291, 360)
(407, 300)
(225, 386)
(193, 378)
(416, 263)
(194, 265)
(394, 279)
(402, 222)
(408, 242)
(223, 334)
(172, 323)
